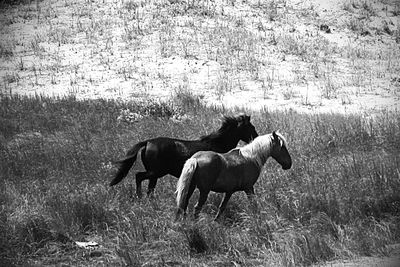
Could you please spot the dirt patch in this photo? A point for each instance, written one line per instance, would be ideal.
(393, 260)
(365, 262)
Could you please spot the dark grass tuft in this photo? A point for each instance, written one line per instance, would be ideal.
(196, 240)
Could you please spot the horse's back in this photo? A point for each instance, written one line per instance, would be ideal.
(207, 158)
(165, 155)
(238, 173)
(175, 147)
(233, 157)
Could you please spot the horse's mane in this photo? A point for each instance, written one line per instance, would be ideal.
(227, 124)
(260, 148)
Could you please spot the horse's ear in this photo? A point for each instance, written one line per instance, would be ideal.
(276, 137)
(245, 118)
(274, 134)
(224, 118)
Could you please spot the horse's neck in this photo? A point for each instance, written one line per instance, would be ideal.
(263, 158)
(260, 157)
(265, 154)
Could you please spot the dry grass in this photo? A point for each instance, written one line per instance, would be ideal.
(55, 170)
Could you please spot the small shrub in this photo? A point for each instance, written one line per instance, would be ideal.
(196, 240)
(358, 26)
(186, 100)
(289, 93)
(6, 50)
(329, 88)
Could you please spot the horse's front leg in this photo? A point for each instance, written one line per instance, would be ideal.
(252, 199)
(223, 205)
(200, 203)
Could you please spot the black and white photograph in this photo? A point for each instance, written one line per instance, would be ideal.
(200, 133)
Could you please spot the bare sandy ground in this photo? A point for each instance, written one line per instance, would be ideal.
(389, 261)
(83, 48)
(365, 262)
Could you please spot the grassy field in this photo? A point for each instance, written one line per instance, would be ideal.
(339, 200)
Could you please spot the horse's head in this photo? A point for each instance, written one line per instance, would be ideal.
(247, 131)
(279, 151)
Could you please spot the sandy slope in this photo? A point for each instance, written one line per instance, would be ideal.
(125, 51)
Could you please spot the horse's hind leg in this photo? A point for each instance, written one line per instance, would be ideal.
(192, 187)
(140, 176)
(152, 184)
(223, 205)
(183, 209)
(200, 203)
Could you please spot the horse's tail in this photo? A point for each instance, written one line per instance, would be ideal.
(184, 181)
(126, 164)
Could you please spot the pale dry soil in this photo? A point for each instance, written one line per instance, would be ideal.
(393, 260)
(147, 49)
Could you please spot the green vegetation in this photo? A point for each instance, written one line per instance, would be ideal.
(339, 200)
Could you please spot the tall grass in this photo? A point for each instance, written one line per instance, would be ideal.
(339, 200)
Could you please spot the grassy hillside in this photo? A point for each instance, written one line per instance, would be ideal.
(339, 200)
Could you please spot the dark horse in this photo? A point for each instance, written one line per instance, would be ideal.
(237, 170)
(162, 155)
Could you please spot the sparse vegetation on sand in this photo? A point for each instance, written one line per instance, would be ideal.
(339, 200)
(306, 54)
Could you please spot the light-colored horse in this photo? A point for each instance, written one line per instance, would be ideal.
(236, 170)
